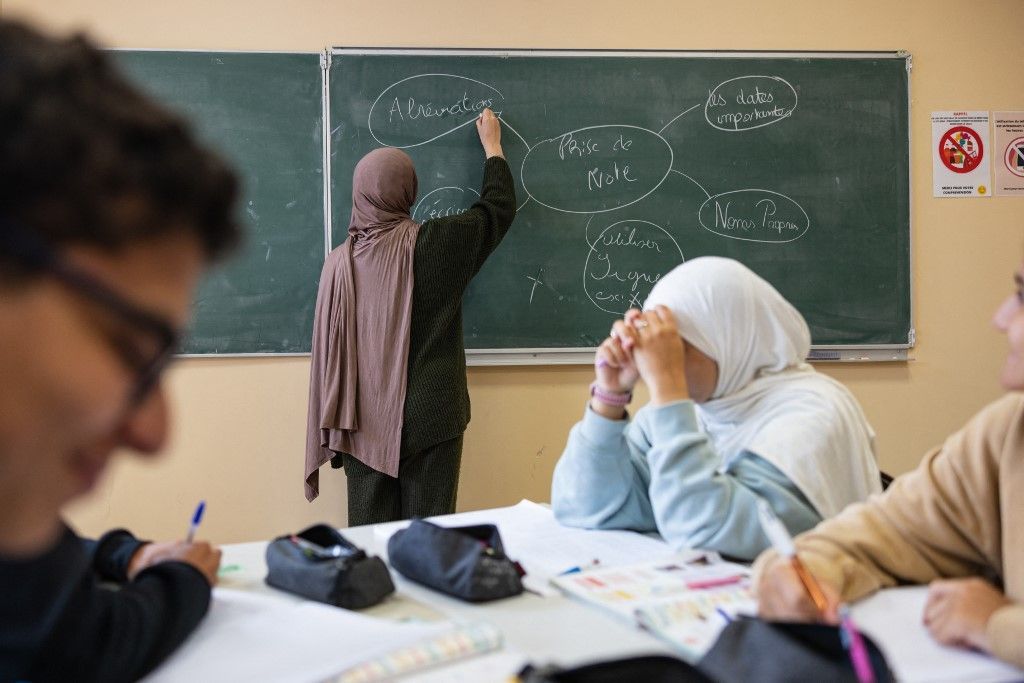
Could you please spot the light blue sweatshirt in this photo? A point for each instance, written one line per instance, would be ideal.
(659, 473)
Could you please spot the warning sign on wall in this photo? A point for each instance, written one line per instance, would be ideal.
(1008, 142)
(960, 162)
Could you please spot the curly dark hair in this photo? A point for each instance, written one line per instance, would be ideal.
(87, 158)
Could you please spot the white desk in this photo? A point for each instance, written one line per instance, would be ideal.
(546, 629)
(558, 629)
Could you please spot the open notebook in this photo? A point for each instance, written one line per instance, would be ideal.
(893, 619)
(686, 601)
(252, 637)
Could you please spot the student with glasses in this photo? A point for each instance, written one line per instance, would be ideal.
(109, 213)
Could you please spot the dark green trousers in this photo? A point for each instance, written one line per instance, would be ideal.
(427, 484)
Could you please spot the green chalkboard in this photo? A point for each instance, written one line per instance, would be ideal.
(263, 111)
(629, 163)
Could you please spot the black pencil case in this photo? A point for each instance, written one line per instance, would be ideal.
(321, 564)
(466, 562)
(751, 649)
(646, 668)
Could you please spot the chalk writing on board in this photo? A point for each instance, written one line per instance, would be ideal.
(443, 201)
(625, 260)
(603, 168)
(596, 169)
(754, 215)
(422, 108)
(749, 102)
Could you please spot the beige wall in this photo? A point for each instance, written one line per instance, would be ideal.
(240, 428)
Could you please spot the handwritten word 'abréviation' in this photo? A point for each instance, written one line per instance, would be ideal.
(414, 109)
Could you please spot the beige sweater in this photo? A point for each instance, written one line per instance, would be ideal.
(959, 514)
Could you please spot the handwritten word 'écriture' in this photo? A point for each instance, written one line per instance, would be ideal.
(415, 110)
(444, 213)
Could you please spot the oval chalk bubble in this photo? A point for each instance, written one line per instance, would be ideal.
(754, 215)
(442, 202)
(596, 169)
(624, 261)
(422, 108)
(748, 102)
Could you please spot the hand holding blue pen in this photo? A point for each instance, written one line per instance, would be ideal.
(197, 517)
(201, 555)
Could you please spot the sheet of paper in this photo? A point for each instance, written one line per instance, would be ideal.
(893, 620)
(545, 548)
(254, 638)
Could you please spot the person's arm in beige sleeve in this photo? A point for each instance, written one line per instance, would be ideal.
(941, 521)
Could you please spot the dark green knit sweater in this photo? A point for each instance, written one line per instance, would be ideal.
(449, 252)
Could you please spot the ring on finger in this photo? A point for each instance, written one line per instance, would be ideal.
(640, 324)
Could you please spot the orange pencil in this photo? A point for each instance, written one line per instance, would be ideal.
(776, 532)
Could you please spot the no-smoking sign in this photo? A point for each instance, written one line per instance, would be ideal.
(961, 149)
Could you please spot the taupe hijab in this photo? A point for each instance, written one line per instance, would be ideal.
(363, 315)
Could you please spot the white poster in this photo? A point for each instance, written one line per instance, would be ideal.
(1009, 145)
(960, 154)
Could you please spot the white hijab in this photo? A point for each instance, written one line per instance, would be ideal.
(767, 399)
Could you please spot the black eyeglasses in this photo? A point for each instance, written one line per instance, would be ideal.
(33, 253)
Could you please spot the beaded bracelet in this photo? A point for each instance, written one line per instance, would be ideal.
(611, 398)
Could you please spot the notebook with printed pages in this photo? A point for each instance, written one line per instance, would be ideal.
(684, 601)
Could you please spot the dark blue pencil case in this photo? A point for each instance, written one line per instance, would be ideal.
(466, 562)
(345, 577)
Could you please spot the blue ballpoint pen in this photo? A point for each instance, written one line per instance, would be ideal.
(196, 518)
(576, 570)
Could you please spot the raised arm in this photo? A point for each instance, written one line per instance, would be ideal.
(459, 245)
(601, 480)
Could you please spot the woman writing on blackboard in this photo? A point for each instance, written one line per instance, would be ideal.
(388, 395)
(735, 415)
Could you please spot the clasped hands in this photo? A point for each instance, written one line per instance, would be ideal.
(643, 345)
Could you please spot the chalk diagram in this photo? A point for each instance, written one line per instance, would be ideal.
(603, 173)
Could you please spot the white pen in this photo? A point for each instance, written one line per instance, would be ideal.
(782, 542)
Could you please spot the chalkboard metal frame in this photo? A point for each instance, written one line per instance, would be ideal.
(584, 355)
